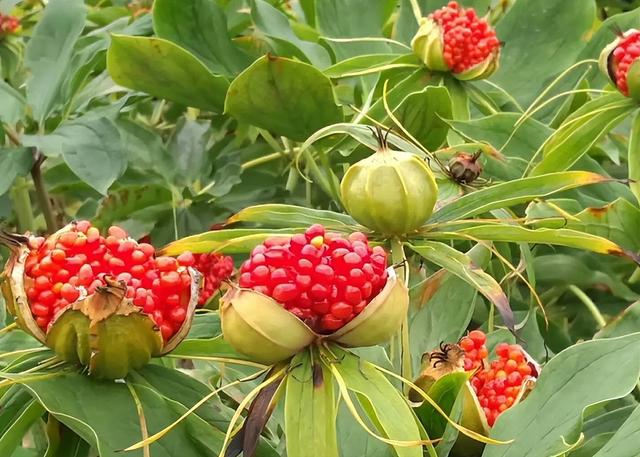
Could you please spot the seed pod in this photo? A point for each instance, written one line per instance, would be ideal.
(100, 326)
(493, 387)
(258, 326)
(455, 40)
(619, 62)
(9, 25)
(313, 286)
(391, 192)
(465, 168)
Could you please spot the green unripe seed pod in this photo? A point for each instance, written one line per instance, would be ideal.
(391, 192)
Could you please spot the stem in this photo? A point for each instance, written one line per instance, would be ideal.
(591, 306)
(174, 212)
(416, 10)
(41, 191)
(398, 257)
(22, 205)
(43, 196)
(260, 160)
(270, 139)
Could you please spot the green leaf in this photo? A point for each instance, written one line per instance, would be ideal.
(286, 97)
(200, 27)
(582, 375)
(49, 53)
(582, 271)
(444, 392)
(279, 215)
(422, 114)
(517, 146)
(13, 104)
(163, 69)
(310, 409)
(354, 19)
(188, 149)
(380, 400)
(228, 241)
(463, 266)
(13, 436)
(92, 148)
(14, 162)
(515, 234)
(513, 193)
(145, 149)
(207, 348)
(615, 221)
(104, 415)
(365, 64)
(186, 390)
(541, 42)
(436, 320)
(275, 26)
(625, 323)
(581, 130)
(633, 157)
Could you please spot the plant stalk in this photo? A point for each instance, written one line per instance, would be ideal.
(589, 304)
(22, 205)
(260, 160)
(398, 258)
(41, 191)
(43, 196)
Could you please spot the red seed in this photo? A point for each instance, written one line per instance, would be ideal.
(178, 315)
(40, 310)
(285, 292)
(167, 331)
(186, 259)
(117, 232)
(69, 293)
(42, 283)
(170, 280)
(67, 238)
(166, 263)
(341, 310)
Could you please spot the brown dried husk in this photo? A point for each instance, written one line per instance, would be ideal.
(104, 331)
(257, 326)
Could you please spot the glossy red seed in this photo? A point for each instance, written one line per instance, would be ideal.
(172, 300)
(186, 259)
(178, 315)
(166, 263)
(40, 310)
(42, 283)
(147, 249)
(478, 337)
(170, 280)
(341, 310)
(285, 292)
(117, 232)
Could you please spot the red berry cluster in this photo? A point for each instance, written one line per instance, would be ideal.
(468, 39)
(322, 278)
(498, 383)
(214, 267)
(8, 24)
(61, 270)
(627, 51)
(475, 350)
